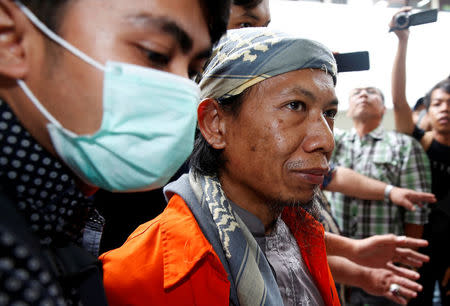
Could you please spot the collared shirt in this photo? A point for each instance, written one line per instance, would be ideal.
(283, 253)
(390, 157)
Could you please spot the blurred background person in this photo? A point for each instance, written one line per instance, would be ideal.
(436, 143)
(387, 156)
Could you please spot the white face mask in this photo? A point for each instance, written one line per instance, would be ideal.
(147, 131)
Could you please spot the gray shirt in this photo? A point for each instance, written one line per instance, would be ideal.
(283, 254)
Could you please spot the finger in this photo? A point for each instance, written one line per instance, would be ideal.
(446, 278)
(407, 293)
(405, 9)
(410, 257)
(408, 205)
(404, 272)
(408, 284)
(398, 299)
(419, 197)
(408, 242)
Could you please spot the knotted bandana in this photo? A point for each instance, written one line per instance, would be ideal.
(245, 57)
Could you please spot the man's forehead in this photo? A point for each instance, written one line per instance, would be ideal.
(366, 88)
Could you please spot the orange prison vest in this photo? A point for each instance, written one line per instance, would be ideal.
(168, 261)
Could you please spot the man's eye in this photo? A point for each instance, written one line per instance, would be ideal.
(296, 105)
(245, 25)
(157, 59)
(331, 113)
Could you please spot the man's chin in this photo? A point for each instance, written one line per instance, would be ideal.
(310, 205)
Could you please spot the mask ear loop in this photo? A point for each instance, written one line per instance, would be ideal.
(53, 36)
(75, 51)
(36, 103)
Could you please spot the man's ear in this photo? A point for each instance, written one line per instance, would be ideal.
(13, 64)
(211, 123)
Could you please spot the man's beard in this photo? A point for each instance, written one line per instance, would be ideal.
(312, 207)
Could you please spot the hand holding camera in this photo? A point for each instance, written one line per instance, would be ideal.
(404, 19)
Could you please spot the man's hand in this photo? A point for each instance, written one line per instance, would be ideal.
(379, 281)
(401, 34)
(378, 251)
(446, 279)
(408, 198)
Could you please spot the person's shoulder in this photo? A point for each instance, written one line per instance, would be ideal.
(22, 264)
(397, 137)
(341, 135)
(427, 139)
(340, 132)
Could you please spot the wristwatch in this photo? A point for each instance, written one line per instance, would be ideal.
(387, 192)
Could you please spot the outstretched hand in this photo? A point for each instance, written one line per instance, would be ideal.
(407, 198)
(379, 281)
(380, 250)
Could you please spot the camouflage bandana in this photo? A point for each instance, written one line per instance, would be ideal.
(245, 57)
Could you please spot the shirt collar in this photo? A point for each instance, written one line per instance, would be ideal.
(183, 242)
(253, 223)
(376, 134)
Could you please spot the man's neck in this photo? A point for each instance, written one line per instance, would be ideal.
(442, 138)
(364, 128)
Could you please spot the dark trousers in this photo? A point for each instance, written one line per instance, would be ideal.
(437, 232)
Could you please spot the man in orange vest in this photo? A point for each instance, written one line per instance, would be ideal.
(240, 228)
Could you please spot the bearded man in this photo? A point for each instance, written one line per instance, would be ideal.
(240, 228)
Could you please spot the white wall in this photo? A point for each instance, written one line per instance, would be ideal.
(347, 28)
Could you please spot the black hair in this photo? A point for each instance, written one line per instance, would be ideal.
(51, 13)
(418, 104)
(217, 14)
(381, 94)
(444, 85)
(247, 4)
(205, 159)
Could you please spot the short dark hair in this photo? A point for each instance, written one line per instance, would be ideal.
(217, 14)
(51, 13)
(444, 85)
(205, 159)
(380, 92)
(247, 4)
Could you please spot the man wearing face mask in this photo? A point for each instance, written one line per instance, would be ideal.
(93, 95)
(243, 13)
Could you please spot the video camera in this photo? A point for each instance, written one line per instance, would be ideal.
(406, 19)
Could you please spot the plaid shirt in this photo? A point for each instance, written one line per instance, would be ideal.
(390, 157)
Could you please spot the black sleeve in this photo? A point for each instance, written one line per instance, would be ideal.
(418, 133)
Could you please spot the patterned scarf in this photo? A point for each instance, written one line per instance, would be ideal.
(250, 270)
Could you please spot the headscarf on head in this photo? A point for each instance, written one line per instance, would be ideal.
(245, 57)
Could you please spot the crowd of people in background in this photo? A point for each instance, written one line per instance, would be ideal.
(125, 182)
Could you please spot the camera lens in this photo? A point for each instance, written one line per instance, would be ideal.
(401, 20)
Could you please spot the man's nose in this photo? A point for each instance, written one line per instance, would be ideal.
(319, 136)
(179, 67)
(363, 92)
